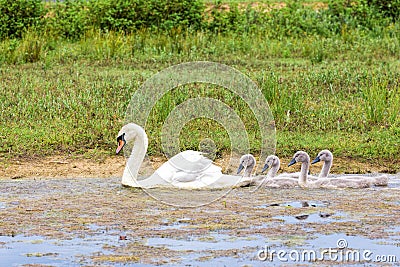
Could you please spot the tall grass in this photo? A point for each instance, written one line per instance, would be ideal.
(338, 90)
(381, 101)
(145, 44)
(74, 98)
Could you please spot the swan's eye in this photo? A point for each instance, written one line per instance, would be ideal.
(121, 137)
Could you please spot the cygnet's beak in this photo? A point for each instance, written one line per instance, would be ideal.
(121, 143)
(240, 168)
(266, 166)
(317, 159)
(293, 161)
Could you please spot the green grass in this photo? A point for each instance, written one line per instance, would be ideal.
(70, 97)
(260, 1)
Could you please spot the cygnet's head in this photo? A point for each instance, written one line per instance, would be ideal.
(246, 161)
(323, 155)
(299, 156)
(271, 161)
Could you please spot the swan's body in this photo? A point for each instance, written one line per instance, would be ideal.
(341, 182)
(327, 157)
(188, 169)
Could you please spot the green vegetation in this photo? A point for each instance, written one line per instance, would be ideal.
(331, 76)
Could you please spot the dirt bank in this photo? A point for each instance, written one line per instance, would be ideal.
(112, 166)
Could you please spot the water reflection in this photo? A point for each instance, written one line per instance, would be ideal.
(297, 204)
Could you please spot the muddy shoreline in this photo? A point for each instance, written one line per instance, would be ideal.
(113, 166)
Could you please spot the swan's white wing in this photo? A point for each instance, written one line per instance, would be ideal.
(190, 161)
(166, 172)
(189, 166)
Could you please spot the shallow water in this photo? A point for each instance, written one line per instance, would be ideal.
(297, 204)
(394, 181)
(314, 217)
(75, 222)
(19, 250)
(199, 251)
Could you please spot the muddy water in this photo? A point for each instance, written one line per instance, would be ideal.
(75, 222)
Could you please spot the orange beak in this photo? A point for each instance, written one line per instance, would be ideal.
(121, 143)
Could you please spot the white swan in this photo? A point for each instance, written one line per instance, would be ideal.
(327, 157)
(340, 182)
(188, 169)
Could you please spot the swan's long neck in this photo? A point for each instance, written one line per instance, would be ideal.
(273, 170)
(248, 170)
(136, 158)
(325, 169)
(304, 172)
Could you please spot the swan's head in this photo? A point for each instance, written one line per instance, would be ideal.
(128, 133)
(246, 161)
(271, 161)
(299, 156)
(323, 155)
